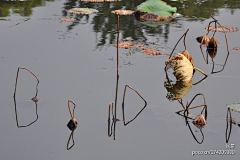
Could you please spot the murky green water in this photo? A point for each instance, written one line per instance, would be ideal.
(76, 61)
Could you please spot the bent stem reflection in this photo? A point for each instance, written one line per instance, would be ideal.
(35, 99)
(71, 136)
(17, 115)
(124, 101)
(230, 118)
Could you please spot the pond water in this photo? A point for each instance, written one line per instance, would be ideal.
(76, 61)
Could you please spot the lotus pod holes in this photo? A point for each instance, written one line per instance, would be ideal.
(72, 124)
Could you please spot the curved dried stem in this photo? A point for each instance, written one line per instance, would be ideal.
(71, 136)
(184, 35)
(72, 115)
(17, 79)
(222, 29)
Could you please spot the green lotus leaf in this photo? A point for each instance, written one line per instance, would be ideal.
(157, 6)
(234, 106)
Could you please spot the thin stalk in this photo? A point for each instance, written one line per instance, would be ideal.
(72, 115)
(200, 71)
(178, 42)
(17, 80)
(117, 48)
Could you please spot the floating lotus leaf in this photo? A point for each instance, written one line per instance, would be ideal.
(234, 106)
(151, 51)
(67, 19)
(157, 7)
(83, 10)
(100, 0)
(236, 49)
(205, 38)
(128, 44)
(183, 69)
(219, 29)
(123, 12)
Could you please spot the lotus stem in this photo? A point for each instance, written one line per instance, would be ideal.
(200, 71)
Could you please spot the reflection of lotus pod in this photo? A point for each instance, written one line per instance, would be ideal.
(199, 121)
(178, 90)
(183, 69)
(205, 38)
(72, 124)
(212, 52)
(213, 43)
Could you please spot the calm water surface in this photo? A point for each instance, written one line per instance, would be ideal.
(76, 61)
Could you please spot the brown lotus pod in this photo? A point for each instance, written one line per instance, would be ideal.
(212, 52)
(35, 99)
(199, 120)
(188, 56)
(72, 124)
(205, 39)
(213, 43)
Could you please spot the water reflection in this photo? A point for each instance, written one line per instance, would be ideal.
(34, 99)
(198, 122)
(112, 111)
(212, 44)
(23, 8)
(15, 103)
(73, 143)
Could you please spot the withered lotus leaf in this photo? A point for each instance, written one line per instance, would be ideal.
(213, 43)
(183, 69)
(83, 10)
(128, 44)
(205, 38)
(236, 49)
(153, 17)
(151, 51)
(219, 29)
(123, 12)
(200, 120)
(188, 56)
(67, 19)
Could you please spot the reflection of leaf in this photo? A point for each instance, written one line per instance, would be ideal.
(183, 69)
(67, 19)
(178, 90)
(128, 44)
(83, 10)
(157, 6)
(234, 106)
(122, 12)
(152, 51)
(219, 29)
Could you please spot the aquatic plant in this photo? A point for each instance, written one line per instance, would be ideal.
(83, 10)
